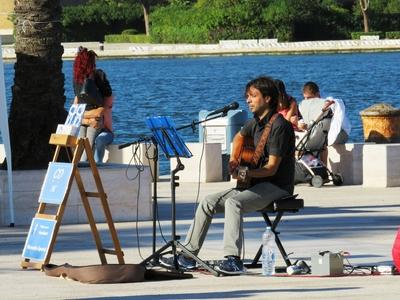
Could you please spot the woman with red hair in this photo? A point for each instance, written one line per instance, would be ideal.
(92, 87)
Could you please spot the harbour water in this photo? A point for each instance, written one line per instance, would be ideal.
(182, 86)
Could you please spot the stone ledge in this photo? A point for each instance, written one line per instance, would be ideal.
(125, 197)
(210, 169)
(346, 159)
(381, 165)
(369, 164)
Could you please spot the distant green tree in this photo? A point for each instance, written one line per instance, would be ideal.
(181, 2)
(177, 24)
(290, 20)
(392, 7)
(279, 17)
(383, 15)
(146, 5)
(209, 21)
(93, 20)
(239, 20)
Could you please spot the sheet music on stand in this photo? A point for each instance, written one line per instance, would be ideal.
(164, 131)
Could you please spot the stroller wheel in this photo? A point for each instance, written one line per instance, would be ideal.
(337, 179)
(317, 181)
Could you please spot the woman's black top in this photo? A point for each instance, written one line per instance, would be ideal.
(101, 81)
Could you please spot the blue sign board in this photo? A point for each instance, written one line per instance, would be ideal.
(75, 114)
(56, 182)
(39, 237)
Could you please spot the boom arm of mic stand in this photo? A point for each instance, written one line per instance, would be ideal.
(193, 124)
(135, 142)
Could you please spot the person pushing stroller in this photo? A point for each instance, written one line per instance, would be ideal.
(323, 123)
(334, 128)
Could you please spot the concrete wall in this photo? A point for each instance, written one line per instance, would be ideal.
(346, 159)
(367, 164)
(125, 196)
(205, 165)
(381, 165)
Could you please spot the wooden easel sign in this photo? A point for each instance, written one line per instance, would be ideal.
(55, 191)
(39, 238)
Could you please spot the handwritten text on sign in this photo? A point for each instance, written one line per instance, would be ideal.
(39, 237)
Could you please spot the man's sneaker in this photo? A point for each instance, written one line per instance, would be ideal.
(231, 266)
(184, 262)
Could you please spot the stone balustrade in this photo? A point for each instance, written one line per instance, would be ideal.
(224, 47)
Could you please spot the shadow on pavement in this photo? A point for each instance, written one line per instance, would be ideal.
(226, 295)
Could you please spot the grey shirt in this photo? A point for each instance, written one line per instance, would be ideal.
(311, 108)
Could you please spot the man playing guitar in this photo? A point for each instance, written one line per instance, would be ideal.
(268, 176)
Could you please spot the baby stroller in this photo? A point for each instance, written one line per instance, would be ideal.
(309, 168)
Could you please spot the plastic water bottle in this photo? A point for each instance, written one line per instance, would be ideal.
(268, 252)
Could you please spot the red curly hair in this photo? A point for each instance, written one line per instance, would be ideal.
(84, 64)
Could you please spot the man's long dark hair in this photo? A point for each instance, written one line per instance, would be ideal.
(267, 87)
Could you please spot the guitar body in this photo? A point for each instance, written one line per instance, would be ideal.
(247, 155)
(243, 151)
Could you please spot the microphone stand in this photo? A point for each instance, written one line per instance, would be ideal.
(155, 205)
(154, 257)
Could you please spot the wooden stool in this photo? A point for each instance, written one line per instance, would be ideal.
(279, 207)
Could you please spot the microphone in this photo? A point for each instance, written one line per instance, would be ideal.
(225, 109)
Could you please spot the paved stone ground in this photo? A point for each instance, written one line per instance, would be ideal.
(362, 221)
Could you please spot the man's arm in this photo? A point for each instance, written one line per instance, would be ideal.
(237, 144)
(267, 170)
(327, 104)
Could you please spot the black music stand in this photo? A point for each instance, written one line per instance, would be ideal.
(164, 132)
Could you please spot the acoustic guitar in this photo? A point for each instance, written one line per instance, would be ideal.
(243, 151)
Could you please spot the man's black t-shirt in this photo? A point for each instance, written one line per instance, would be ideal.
(281, 143)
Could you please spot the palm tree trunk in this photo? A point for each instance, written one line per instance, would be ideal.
(38, 92)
